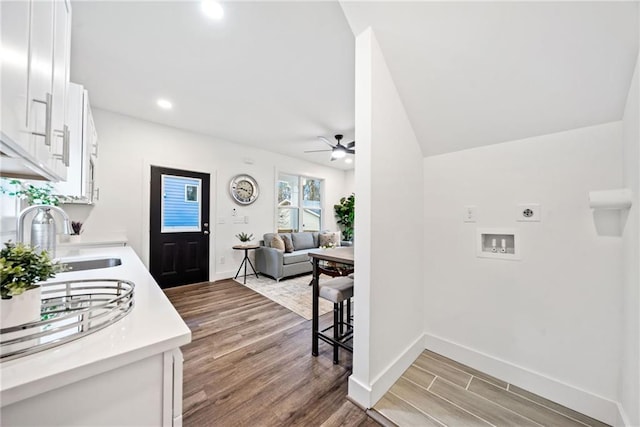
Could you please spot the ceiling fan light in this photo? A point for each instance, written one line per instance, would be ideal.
(338, 152)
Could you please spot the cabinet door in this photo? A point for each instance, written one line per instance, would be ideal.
(75, 182)
(61, 60)
(40, 79)
(15, 18)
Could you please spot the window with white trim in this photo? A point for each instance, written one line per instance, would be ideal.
(299, 203)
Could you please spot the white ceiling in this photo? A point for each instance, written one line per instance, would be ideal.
(478, 73)
(277, 74)
(270, 75)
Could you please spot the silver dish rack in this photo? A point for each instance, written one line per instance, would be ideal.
(70, 310)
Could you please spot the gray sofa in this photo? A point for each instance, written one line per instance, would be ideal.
(278, 264)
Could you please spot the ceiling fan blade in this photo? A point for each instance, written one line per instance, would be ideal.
(351, 144)
(351, 151)
(325, 140)
(317, 151)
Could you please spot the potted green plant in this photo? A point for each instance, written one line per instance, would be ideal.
(345, 216)
(21, 269)
(43, 225)
(244, 237)
(33, 194)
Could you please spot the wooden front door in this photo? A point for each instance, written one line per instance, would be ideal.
(179, 232)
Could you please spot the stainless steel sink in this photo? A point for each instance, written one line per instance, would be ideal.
(92, 264)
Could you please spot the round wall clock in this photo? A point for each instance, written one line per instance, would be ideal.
(244, 189)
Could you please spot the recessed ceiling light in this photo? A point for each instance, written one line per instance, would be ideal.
(348, 160)
(164, 104)
(212, 9)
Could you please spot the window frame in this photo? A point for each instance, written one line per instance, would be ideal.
(300, 209)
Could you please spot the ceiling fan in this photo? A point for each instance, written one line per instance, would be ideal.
(339, 150)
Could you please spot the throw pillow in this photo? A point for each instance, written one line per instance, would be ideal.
(277, 243)
(302, 240)
(288, 244)
(329, 239)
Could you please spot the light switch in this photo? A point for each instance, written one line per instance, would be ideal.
(470, 214)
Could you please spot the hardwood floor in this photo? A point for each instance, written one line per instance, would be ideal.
(436, 391)
(250, 363)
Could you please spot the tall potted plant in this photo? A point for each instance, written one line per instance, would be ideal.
(345, 216)
(21, 269)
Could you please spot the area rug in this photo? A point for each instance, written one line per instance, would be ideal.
(293, 293)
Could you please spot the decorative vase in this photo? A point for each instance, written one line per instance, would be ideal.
(43, 231)
(75, 238)
(16, 311)
(21, 309)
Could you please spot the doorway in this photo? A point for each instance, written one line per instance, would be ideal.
(179, 226)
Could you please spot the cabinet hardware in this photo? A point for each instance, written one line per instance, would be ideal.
(65, 145)
(65, 148)
(47, 120)
(206, 232)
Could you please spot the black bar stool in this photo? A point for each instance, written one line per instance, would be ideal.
(338, 290)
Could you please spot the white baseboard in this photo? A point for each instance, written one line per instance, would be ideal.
(367, 396)
(567, 395)
(222, 276)
(359, 393)
(622, 419)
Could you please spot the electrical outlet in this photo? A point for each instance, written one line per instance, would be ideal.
(470, 214)
(222, 260)
(529, 212)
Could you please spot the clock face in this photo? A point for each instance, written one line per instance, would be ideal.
(244, 189)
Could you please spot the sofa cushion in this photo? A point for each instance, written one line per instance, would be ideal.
(288, 244)
(302, 241)
(296, 257)
(267, 238)
(329, 239)
(277, 243)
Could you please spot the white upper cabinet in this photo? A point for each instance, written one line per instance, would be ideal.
(34, 64)
(40, 98)
(61, 61)
(80, 183)
(14, 61)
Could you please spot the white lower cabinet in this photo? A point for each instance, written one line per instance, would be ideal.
(147, 392)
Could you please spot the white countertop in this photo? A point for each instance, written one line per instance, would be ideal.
(111, 239)
(152, 327)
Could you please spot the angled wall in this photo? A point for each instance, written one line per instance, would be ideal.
(389, 230)
(630, 355)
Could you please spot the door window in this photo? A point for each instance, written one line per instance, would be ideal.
(181, 199)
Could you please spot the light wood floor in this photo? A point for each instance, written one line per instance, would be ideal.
(437, 391)
(250, 363)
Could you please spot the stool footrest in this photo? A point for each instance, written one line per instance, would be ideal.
(330, 340)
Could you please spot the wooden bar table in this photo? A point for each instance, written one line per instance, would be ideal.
(340, 255)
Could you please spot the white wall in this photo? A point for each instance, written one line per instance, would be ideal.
(350, 181)
(129, 146)
(389, 227)
(549, 322)
(630, 362)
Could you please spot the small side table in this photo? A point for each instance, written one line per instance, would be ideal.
(246, 260)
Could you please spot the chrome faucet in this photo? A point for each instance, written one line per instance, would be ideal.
(43, 233)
